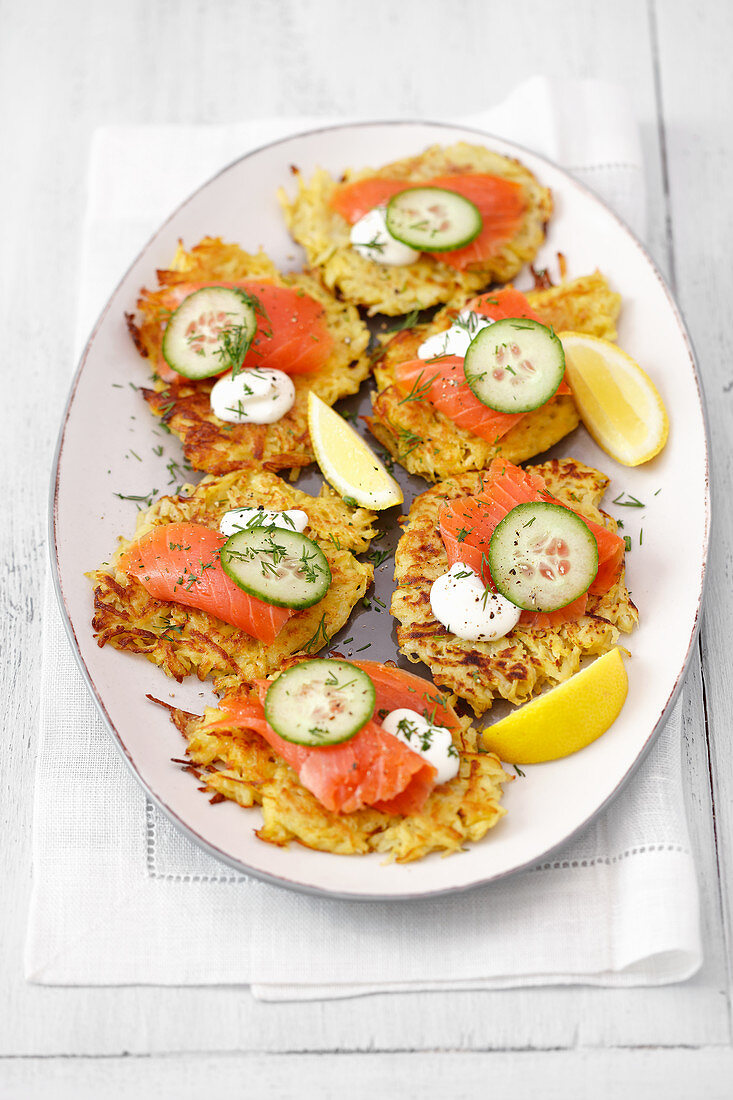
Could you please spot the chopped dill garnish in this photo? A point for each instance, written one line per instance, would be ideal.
(631, 502)
(377, 557)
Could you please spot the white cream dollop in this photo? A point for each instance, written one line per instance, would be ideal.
(433, 743)
(259, 396)
(372, 240)
(242, 519)
(455, 340)
(461, 602)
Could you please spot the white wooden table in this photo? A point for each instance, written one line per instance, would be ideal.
(68, 68)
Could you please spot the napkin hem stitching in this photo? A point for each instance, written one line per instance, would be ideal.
(642, 849)
(151, 858)
(602, 167)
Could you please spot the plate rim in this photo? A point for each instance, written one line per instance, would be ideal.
(54, 487)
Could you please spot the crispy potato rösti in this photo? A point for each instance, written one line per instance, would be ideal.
(517, 666)
(240, 765)
(427, 442)
(184, 641)
(393, 290)
(209, 443)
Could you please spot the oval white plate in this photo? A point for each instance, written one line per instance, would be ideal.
(106, 419)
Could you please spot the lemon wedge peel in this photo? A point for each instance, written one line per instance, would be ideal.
(565, 719)
(617, 400)
(347, 462)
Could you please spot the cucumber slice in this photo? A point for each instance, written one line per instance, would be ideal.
(210, 332)
(320, 702)
(283, 568)
(433, 219)
(514, 365)
(542, 556)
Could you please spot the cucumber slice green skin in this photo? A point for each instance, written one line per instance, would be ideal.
(320, 702)
(542, 556)
(433, 219)
(210, 332)
(514, 365)
(282, 568)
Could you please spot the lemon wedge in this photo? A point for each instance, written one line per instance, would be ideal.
(347, 462)
(617, 400)
(565, 719)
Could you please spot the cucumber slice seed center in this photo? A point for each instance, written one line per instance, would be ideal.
(207, 329)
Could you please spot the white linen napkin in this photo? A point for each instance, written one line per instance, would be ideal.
(116, 888)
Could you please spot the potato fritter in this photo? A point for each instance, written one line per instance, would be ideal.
(211, 444)
(427, 442)
(393, 290)
(517, 666)
(239, 764)
(183, 640)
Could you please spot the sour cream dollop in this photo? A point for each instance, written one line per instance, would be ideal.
(242, 519)
(433, 743)
(372, 240)
(461, 603)
(456, 339)
(253, 396)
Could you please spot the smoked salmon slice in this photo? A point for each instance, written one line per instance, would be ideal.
(442, 381)
(372, 769)
(500, 202)
(467, 524)
(291, 332)
(396, 688)
(179, 562)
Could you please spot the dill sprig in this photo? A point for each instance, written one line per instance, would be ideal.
(235, 340)
(408, 321)
(419, 389)
(630, 502)
(410, 439)
(306, 569)
(319, 639)
(146, 498)
(375, 244)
